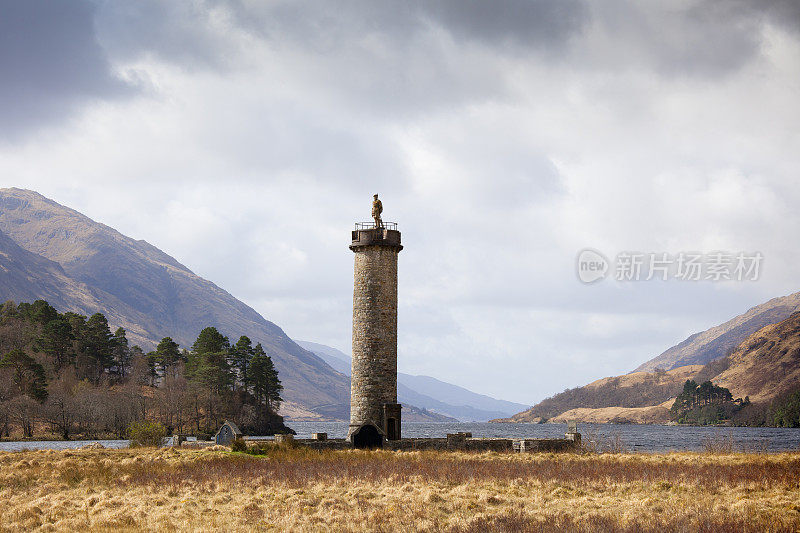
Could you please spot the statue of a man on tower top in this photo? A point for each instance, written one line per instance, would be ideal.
(377, 209)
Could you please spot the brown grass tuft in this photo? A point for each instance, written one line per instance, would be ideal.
(305, 490)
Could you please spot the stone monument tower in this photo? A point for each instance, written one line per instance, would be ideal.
(374, 411)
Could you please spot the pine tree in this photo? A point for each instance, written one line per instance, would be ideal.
(688, 403)
(57, 341)
(29, 376)
(208, 360)
(120, 352)
(95, 355)
(168, 356)
(241, 355)
(39, 311)
(266, 386)
(210, 341)
(208, 367)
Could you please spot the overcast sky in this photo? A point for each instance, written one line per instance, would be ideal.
(245, 137)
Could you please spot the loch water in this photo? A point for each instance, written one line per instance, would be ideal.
(631, 437)
(18, 446)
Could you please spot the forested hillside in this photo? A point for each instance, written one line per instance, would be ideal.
(65, 374)
(52, 252)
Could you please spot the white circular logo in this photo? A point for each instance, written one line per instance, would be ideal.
(592, 266)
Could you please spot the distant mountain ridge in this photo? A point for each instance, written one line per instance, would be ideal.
(427, 392)
(717, 342)
(755, 354)
(766, 364)
(53, 252)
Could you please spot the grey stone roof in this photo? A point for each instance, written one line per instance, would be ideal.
(234, 427)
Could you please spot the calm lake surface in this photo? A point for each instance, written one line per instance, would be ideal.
(634, 438)
(58, 444)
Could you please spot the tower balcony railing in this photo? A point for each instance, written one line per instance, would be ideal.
(372, 225)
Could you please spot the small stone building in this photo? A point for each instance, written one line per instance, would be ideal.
(227, 433)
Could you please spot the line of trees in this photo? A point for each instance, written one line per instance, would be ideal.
(704, 404)
(66, 374)
(710, 404)
(785, 410)
(782, 411)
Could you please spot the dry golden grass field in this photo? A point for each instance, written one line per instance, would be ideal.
(303, 490)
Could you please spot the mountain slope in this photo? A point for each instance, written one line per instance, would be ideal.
(628, 398)
(718, 341)
(450, 394)
(151, 294)
(766, 364)
(427, 392)
(762, 365)
(410, 399)
(25, 277)
(336, 358)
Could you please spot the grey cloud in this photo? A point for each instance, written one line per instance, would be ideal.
(388, 58)
(50, 63)
(411, 58)
(703, 39)
(192, 35)
(783, 13)
(539, 24)
(390, 54)
(288, 138)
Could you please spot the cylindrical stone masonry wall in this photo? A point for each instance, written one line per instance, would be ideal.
(373, 380)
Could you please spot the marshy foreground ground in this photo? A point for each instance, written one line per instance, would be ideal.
(297, 489)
